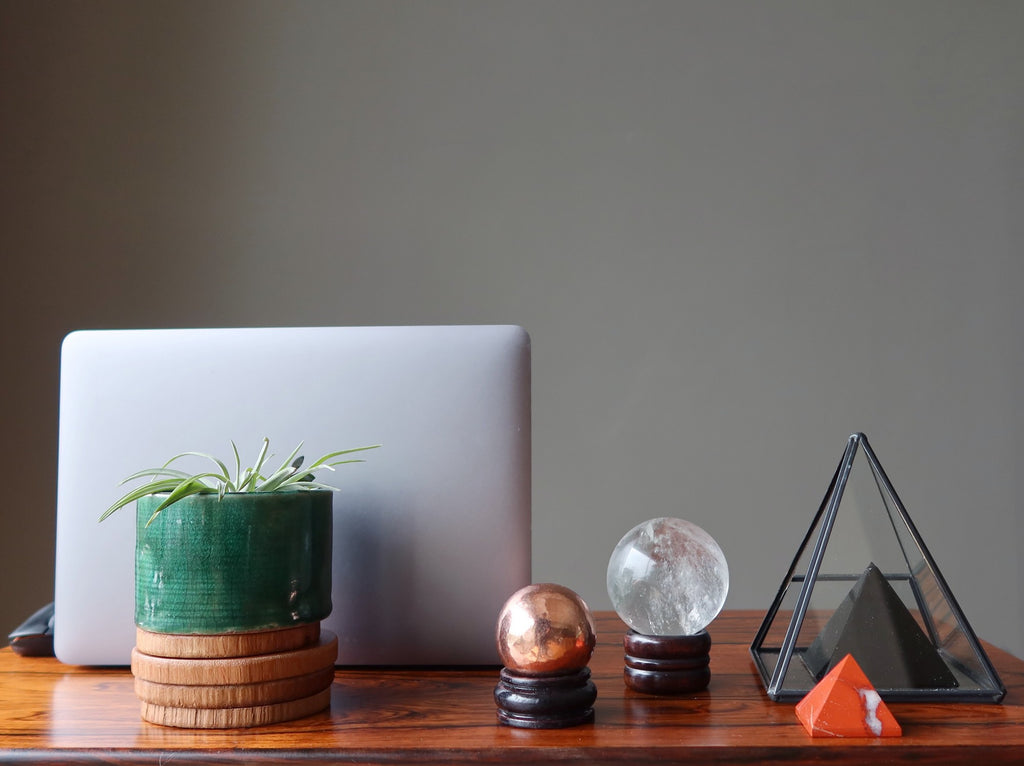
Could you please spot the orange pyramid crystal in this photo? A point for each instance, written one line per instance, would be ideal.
(845, 704)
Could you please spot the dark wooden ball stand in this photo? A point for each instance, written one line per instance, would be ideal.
(545, 702)
(667, 664)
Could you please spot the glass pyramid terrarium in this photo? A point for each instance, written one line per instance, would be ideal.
(863, 583)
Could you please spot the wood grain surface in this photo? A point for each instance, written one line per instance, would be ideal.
(234, 695)
(56, 713)
(236, 717)
(237, 670)
(226, 644)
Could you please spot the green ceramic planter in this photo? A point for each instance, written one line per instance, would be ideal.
(241, 563)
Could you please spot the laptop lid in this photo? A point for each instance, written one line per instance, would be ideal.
(431, 534)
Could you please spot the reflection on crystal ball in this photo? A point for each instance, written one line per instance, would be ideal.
(667, 577)
(545, 628)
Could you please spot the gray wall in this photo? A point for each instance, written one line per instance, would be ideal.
(737, 232)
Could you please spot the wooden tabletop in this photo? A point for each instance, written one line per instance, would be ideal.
(51, 712)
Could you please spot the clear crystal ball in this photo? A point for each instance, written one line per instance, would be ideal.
(667, 577)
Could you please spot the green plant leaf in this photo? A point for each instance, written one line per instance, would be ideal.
(294, 460)
(323, 461)
(306, 477)
(288, 468)
(291, 476)
(238, 465)
(305, 486)
(276, 479)
(253, 475)
(152, 488)
(222, 476)
(193, 486)
(169, 472)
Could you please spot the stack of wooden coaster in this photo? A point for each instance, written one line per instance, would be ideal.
(234, 680)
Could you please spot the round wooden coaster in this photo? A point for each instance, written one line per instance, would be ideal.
(235, 717)
(237, 670)
(226, 644)
(234, 695)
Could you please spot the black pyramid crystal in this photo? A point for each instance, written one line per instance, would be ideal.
(875, 626)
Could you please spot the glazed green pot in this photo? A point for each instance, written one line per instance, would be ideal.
(245, 562)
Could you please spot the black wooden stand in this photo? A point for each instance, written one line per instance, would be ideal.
(545, 702)
(667, 664)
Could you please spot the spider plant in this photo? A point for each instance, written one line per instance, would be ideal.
(290, 477)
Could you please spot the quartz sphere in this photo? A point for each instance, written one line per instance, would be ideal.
(545, 628)
(667, 577)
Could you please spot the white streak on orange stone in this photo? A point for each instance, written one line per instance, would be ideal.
(870, 699)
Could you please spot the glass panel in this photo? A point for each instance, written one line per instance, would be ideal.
(862, 581)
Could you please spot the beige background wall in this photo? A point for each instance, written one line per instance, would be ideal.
(737, 231)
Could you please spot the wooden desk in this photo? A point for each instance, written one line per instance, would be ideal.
(51, 712)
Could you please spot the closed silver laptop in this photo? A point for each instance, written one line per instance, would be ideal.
(431, 533)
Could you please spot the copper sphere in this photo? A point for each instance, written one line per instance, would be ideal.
(545, 628)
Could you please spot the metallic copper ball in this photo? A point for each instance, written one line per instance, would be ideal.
(545, 628)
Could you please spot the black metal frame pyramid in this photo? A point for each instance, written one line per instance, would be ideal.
(912, 629)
